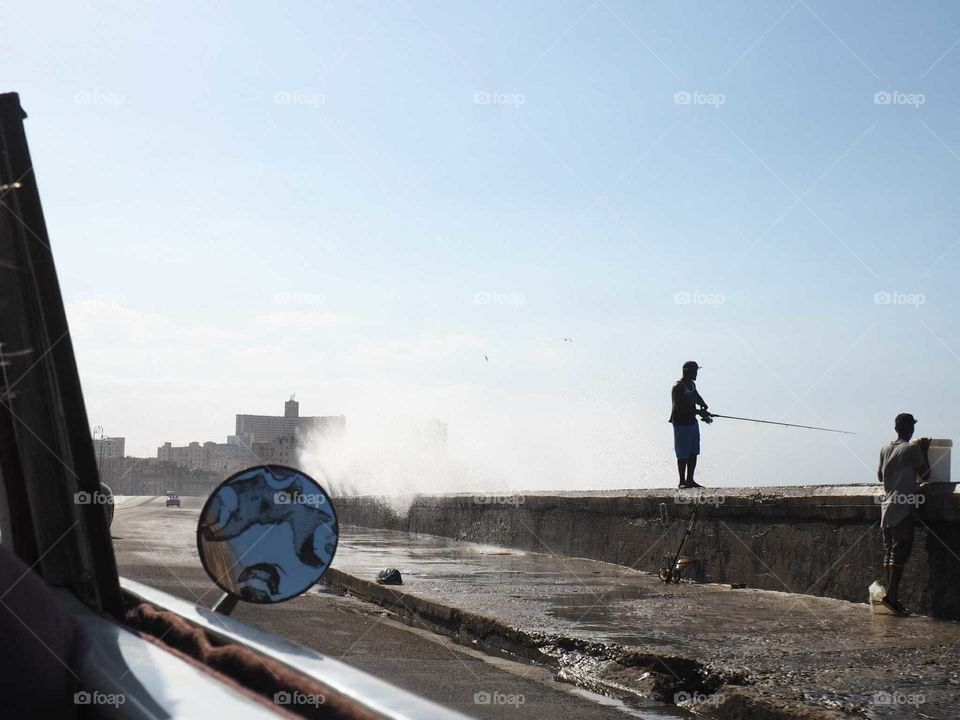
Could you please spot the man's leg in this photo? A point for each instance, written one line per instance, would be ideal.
(887, 555)
(680, 448)
(691, 468)
(893, 588)
(902, 535)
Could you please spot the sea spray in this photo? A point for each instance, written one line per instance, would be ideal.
(504, 450)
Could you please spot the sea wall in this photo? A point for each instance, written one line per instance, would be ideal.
(820, 540)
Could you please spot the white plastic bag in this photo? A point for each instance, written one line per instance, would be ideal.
(875, 593)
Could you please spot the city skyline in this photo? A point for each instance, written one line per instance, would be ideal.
(306, 425)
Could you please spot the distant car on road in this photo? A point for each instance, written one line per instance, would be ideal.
(173, 501)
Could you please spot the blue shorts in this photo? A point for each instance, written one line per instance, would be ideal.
(686, 440)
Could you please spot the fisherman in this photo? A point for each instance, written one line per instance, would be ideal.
(900, 463)
(686, 430)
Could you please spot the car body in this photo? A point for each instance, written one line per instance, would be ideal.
(173, 501)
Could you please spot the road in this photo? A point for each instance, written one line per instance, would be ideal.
(156, 545)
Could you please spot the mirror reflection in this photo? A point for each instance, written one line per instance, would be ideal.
(267, 533)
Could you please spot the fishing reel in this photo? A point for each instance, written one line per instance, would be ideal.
(681, 564)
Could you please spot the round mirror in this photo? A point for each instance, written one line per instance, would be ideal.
(267, 534)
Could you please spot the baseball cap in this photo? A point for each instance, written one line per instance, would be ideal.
(691, 363)
(904, 419)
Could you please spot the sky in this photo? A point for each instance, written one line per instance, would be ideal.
(400, 209)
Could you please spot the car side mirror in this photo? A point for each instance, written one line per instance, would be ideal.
(265, 535)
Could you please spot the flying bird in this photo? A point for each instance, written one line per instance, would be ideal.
(566, 339)
(486, 358)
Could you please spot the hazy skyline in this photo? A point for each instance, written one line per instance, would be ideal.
(359, 202)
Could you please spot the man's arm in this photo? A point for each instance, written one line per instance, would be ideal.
(675, 393)
(880, 469)
(923, 466)
(681, 400)
(703, 408)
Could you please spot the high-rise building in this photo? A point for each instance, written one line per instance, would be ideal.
(259, 439)
(266, 428)
(282, 451)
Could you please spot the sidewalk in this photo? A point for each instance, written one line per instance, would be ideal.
(722, 652)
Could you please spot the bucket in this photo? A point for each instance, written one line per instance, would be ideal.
(940, 460)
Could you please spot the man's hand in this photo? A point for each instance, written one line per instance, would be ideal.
(707, 417)
(924, 444)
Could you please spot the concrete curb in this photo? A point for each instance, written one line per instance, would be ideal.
(620, 671)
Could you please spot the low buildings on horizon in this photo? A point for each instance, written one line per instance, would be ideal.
(197, 467)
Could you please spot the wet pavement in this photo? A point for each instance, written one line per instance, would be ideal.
(823, 652)
(157, 546)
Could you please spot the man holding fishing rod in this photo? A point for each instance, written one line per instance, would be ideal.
(686, 430)
(687, 404)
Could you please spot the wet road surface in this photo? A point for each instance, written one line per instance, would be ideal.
(822, 651)
(156, 545)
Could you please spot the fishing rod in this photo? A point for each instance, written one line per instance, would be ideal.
(771, 422)
(672, 573)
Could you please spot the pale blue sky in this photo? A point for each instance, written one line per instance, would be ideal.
(220, 247)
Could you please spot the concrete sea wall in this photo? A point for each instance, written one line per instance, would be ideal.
(820, 540)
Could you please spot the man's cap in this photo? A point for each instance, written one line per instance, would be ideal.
(691, 364)
(904, 419)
